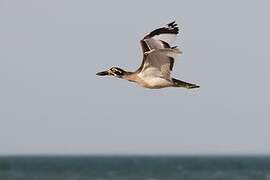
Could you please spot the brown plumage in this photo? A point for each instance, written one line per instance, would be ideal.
(158, 60)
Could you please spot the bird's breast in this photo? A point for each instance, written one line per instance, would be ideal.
(154, 82)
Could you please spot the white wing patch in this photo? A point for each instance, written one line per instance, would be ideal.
(170, 52)
(168, 38)
(166, 34)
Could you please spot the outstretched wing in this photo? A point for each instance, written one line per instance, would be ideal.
(162, 37)
(158, 39)
(157, 62)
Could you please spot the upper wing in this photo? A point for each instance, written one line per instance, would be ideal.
(158, 39)
(162, 37)
(156, 63)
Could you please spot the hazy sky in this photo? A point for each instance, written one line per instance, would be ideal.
(52, 102)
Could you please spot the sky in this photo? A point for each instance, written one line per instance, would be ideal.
(51, 101)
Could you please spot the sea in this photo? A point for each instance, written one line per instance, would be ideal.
(134, 168)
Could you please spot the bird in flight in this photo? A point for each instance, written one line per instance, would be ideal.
(158, 60)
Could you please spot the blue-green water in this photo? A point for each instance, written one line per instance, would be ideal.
(134, 168)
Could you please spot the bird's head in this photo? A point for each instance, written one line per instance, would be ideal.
(114, 71)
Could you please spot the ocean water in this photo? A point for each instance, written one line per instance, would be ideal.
(134, 168)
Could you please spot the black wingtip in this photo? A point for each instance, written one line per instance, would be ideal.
(172, 25)
(170, 28)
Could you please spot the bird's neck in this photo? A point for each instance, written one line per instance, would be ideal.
(130, 76)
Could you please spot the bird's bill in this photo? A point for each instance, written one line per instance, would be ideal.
(104, 73)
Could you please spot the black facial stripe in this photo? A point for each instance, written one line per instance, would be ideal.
(117, 71)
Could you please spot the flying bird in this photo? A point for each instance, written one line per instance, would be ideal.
(158, 60)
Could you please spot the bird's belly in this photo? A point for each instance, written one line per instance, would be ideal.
(155, 82)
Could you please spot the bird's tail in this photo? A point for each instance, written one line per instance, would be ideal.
(179, 83)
